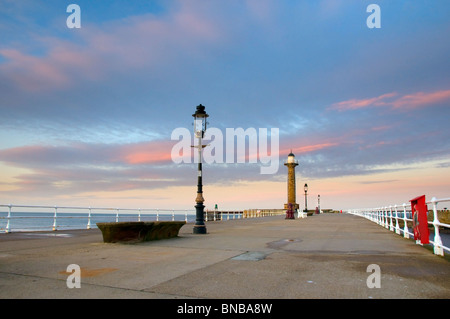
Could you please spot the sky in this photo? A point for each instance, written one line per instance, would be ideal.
(87, 114)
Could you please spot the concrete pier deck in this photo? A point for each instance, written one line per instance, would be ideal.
(322, 256)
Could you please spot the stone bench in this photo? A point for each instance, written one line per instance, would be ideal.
(139, 231)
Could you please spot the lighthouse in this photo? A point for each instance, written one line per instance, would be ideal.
(291, 162)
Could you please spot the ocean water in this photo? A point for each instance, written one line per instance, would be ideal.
(43, 221)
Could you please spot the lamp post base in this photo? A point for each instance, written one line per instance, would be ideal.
(199, 227)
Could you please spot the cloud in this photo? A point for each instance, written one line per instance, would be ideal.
(147, 153)
(379, 182)
(405, 102)
(123, 45)
(355, 104)
(78, 154)
(421, 99)
(311, 148)
(32, 73)
(81, 167)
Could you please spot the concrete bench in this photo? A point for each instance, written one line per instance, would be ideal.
(139, 231)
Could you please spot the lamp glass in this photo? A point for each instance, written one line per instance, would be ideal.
(199, 126)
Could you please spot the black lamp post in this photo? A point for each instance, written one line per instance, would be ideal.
(200, 117)
(305, 188)
(318, 202)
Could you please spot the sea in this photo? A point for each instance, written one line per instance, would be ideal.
(43, 221)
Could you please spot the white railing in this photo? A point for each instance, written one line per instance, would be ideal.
(34, 217)
(389, 217)
(215, 215)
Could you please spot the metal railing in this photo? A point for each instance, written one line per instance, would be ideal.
(252, 213)
(40, 218)
(392, 216)
(248, 213)
(35, 217)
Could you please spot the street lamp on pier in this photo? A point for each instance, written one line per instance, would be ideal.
(200, 122)
(318, 202)
(305, 188)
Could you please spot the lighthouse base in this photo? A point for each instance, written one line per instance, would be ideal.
(290, 209)
(294, 206)
(289, 214)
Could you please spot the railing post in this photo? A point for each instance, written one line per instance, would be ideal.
(386, 223)
(173, 215)
(139, 215)
(8, 226)
(117, 215)
(405, 226)
(54, 219)
(157, 215)
(89, 219)
(438, 250)
(185, 216)
(391, 225)
(397, 227)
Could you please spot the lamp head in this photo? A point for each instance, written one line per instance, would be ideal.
(200, 117)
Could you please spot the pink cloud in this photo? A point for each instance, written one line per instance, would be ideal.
(85, 154)
(409, 101)
(420, 99)
(308, 148)
(79, 167)
(31, 73)
(139, 42)
(146, 153)
(312, 148)
(354, 104)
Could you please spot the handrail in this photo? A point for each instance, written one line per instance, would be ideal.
(57, 213)
(386, 215)
(88, 212)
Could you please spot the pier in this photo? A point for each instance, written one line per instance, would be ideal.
(324, 256)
